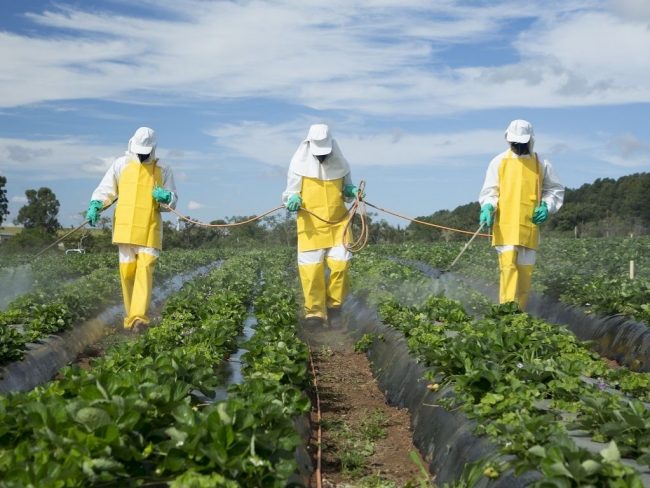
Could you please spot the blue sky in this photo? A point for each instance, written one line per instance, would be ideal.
(418, 93)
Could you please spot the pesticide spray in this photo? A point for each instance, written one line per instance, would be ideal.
(15, 281)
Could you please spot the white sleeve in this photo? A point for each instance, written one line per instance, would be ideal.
(106, 192)
(169, 184)
(552, 189)
(490, 191)
(294, 185)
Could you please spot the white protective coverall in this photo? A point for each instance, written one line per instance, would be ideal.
(515, 185)
(320, 186)
(137, 223)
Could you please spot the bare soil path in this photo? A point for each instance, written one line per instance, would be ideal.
(365, 442)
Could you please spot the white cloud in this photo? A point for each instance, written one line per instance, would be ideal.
(73, 157)
(275, 144)
(192, 205)
(379, 57)
(598, 48)
(56, 158)
(631, 9)
(18, 199)
(627, 151)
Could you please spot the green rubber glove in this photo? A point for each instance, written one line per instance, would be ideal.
(92, 214)
(487, 212)
(294, 203)
(540, 214)
(161, 195)
(351, 191)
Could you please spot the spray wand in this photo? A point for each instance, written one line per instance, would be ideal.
(480, 227)
(87, 221)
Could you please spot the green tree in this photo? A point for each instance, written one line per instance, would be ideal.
(4, 203)
(280, 229)
(254, 232)
(464, 217)
(40, 212)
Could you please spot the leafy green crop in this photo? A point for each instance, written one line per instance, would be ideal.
(140, 415)
(591, 273)
(522, 379)
(58, 307)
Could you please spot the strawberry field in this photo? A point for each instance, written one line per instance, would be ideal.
(143, 413)
(549, 404)
(590, 273)
(158, 410)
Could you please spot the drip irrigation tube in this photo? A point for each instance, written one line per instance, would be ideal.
(319, 434)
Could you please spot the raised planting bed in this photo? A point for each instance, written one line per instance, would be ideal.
(590, 273)
(615, 337)
(33, 317)
(44, 358)
(146, 413)
(545, 402)
(276, 376)
(444, 437)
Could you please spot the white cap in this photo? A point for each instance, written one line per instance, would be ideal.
(519, 131)
(143, 141)
(320, 140)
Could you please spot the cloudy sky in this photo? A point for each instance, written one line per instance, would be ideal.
(418, 93)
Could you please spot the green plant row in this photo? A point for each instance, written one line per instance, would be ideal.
(126, 420)
(262, 437)
(50, 265)
(42, 313)
(140, 417)
(606, 295)
(50, 269)
(591, 273)
(521, 378)
(275, 370)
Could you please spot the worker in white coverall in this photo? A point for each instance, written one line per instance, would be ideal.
(520, 191)
(319, 181)
(140, 184)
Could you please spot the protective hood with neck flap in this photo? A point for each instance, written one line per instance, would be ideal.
(305, 163)
(144, 141)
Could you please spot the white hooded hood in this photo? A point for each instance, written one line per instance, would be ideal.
(521, 131)
(144, 141)
(304, 163)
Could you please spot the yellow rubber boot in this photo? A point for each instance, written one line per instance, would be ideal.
(312, 278)
(339, 282)
(523, 284)
(508, 279)
(127, 277)
(142, 287)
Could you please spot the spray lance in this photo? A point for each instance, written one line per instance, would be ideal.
(50, 246)
(480, 227)
(467, 244)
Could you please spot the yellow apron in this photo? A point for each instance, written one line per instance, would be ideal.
(519, 193)
(325, 199)
(137, 219)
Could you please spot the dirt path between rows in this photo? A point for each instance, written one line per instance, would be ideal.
(365, 442)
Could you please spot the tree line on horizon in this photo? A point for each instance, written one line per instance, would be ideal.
(606, 207)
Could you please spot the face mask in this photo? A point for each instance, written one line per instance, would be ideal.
(520, 148)
(143, 157)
